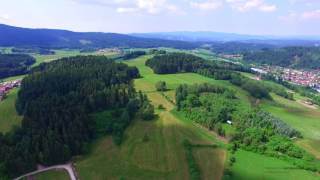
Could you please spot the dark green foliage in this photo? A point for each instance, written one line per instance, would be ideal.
(14, 64)
(262, 119)
(56, 100)
(133, 54)
(206, 104)
(32, 50)
(147, 111)
(161, 86)
(182, 62)
(256, 89)
(161, 107)
(157, 51)
(297, 57)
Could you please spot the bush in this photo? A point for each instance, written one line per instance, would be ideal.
(161, 86)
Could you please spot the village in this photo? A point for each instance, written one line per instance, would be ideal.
(309, 78)
(5, 87)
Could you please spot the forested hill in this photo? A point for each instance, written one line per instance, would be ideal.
(297, 57)
(57, 100)
(14, 64)
(49, 38)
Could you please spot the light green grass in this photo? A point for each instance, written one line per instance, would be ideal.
(252, 166)
(8, 114)
(52, 175)
(58, 54)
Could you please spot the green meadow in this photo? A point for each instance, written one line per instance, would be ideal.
(8, 115)
(252, 166)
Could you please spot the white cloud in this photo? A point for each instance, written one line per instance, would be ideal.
(4, 17)
(292, 17)
(246, 5)
(126, 10)
(207, 5)
(268, 8)
(315, 14)
(129, 6)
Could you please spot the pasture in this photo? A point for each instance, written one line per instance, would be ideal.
(252, 166)
(8, 115)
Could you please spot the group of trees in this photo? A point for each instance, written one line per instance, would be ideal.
(133, 54)
(56, 101)
(297, 57)
(171, 63)
(14, 64)
(161, 86)
(32, 50)
(206, 104)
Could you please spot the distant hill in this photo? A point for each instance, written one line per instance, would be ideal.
(296, 57)
(49, 38)
(280, 41)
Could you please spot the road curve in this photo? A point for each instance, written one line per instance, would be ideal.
(67, 167)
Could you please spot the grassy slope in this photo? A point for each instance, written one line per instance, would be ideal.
(252, 166)
(162, 157)
(8, 114)
(304, 119)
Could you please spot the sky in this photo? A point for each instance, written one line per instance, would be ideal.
(255, 17)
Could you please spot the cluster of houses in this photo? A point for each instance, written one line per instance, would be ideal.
(305, 78)
(5, 87)
(310, 78)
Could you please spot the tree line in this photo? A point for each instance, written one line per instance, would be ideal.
(296, 57)
(15, 64)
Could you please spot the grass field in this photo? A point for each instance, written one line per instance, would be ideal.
(52, 175)
(252, 166)
(8, 114)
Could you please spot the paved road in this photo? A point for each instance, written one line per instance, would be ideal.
(67, 167)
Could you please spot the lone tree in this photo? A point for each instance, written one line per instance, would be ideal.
(161, 86)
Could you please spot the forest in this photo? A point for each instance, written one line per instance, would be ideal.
(58, 100)
(172, 63)
(295, 57)
(14, 64)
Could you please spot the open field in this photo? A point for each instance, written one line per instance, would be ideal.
(8, 114)
(161, 157)
(52, 175)
(252, 166)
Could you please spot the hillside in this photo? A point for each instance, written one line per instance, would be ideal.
(209, 37)
(296, 57)
(49, 38)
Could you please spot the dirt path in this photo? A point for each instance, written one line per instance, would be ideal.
(67, 167)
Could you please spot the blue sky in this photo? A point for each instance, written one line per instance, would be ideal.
(261, 17)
